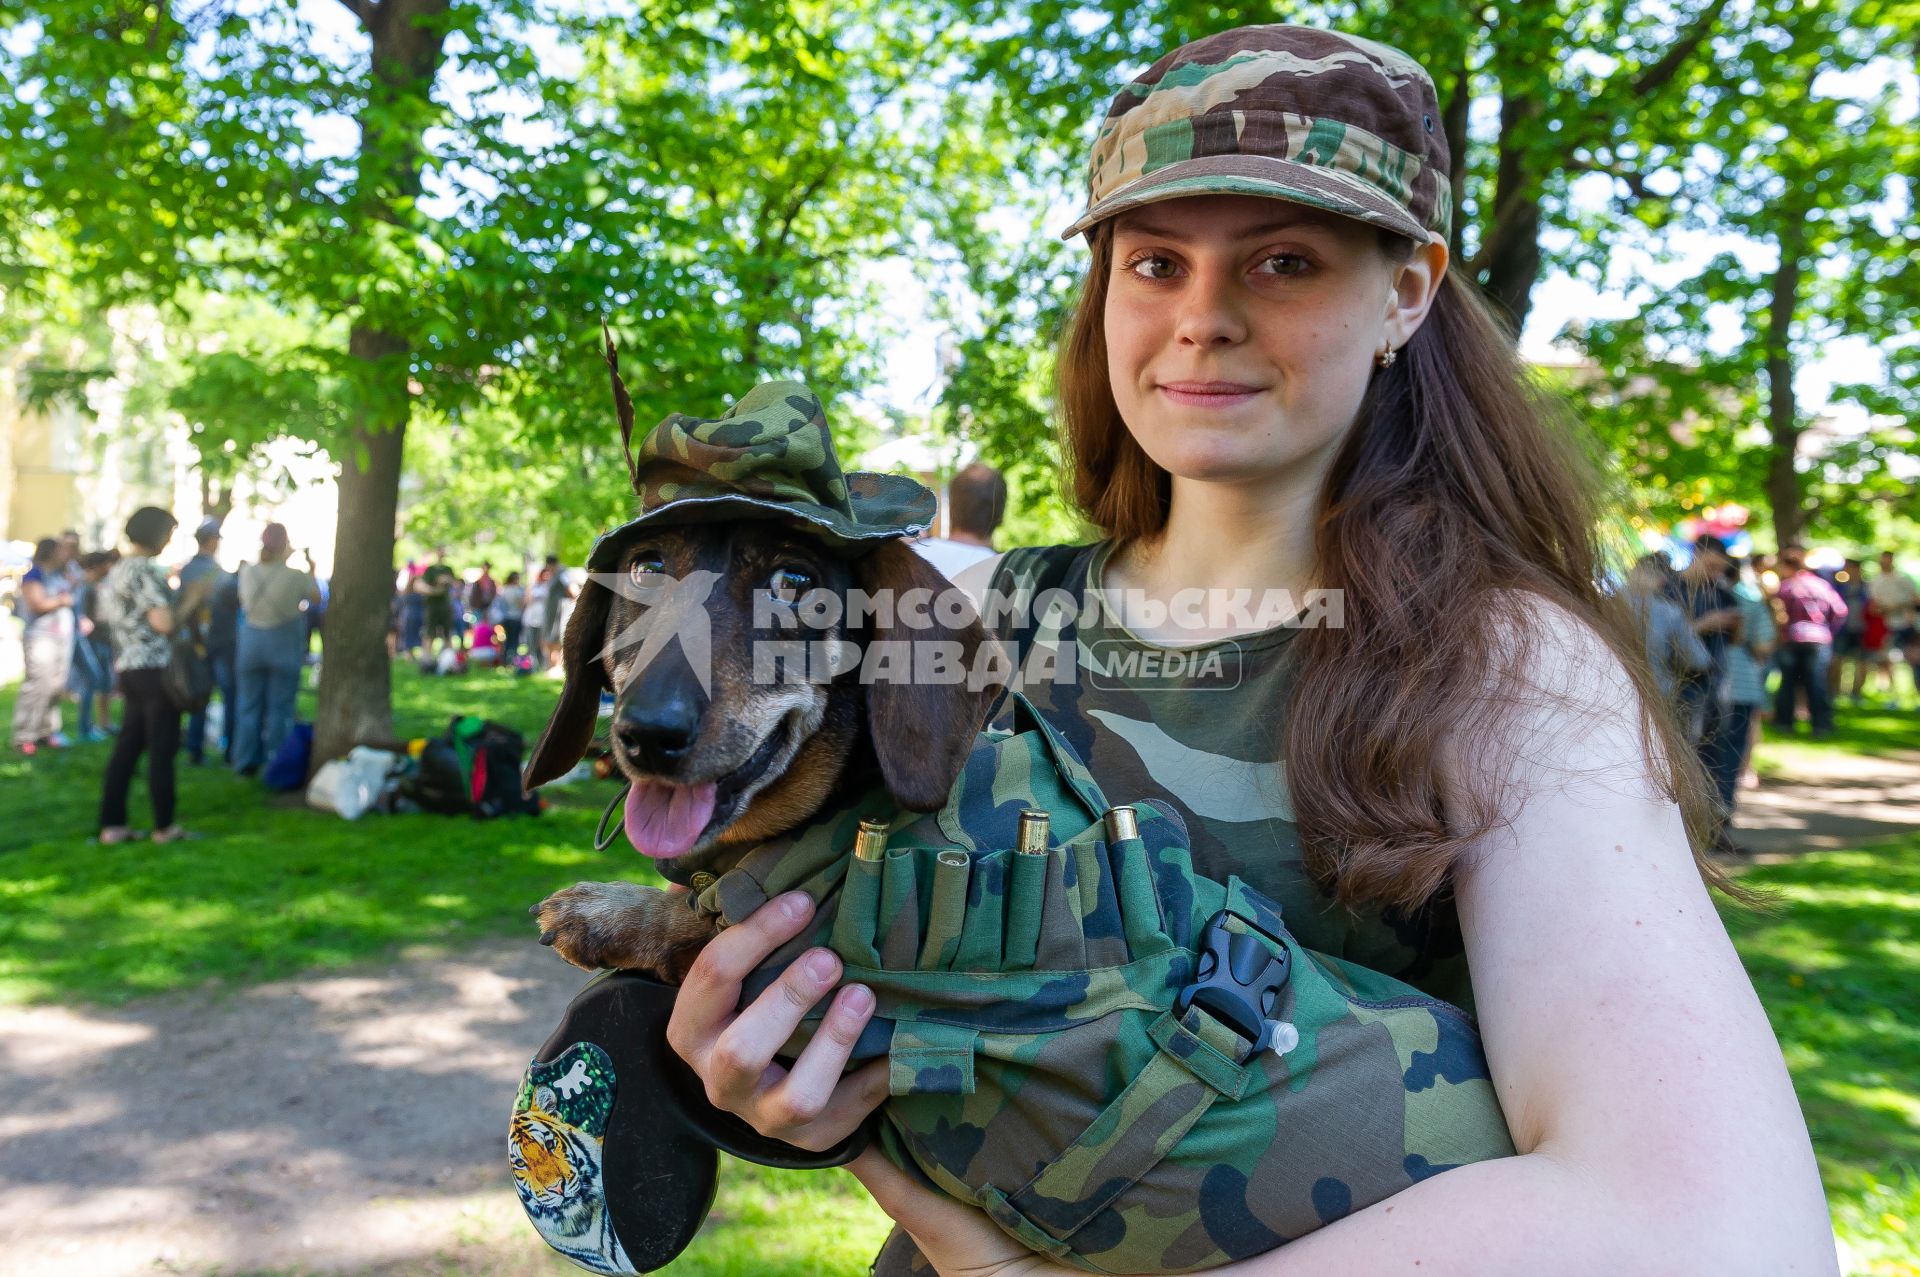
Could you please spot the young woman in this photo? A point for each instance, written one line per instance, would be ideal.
(1272, 383)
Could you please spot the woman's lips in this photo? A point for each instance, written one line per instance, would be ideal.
(1208, 394)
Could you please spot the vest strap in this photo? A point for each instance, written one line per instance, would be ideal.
(1193, 1068)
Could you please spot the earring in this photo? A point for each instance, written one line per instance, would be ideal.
(1385, 357)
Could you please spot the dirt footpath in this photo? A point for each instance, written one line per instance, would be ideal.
(358, 1122)
(336, 1122)
(1843, 800)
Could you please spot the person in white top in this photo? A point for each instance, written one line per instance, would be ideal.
(506, 614)
(533, 615)
(1898, 599)
(976, 502)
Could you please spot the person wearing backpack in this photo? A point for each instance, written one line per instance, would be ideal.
(142, 615)
(1273, 386)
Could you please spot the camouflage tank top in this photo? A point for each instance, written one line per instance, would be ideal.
(1200, 726)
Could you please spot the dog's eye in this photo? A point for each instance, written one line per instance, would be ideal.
(646, 571)
(789, 583)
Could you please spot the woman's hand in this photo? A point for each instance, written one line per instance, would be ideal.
(811, 1106)
(957, 1239)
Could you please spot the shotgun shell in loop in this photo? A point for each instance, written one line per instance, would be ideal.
(957, 859)
(1033, 834)
(871, 842)
(1121, 824)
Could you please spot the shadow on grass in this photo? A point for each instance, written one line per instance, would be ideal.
(271, 887)
(1873, 731)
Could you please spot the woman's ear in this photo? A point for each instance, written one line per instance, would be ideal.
(1410, 295)
(570, 730)
(922, 731)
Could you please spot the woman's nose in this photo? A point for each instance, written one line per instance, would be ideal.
(1210, 311)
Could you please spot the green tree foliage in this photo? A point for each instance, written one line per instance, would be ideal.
(1796, 146)
(1534, 97)
(714, 179)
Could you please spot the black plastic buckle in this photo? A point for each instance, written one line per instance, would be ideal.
(1237, 981)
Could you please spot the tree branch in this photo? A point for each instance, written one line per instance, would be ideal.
(1656, 76)
(801, 200)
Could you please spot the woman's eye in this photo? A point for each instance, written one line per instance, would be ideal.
(1285, 264)
(647, 570)
(789, 583)
(1152, 266)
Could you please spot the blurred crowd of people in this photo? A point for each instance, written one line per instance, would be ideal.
(447, 621)
(107, 627)
(122, 635)
(1720, 629)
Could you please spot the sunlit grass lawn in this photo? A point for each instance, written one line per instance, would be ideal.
(1875, 730)
(1837, 965)
(274, 889)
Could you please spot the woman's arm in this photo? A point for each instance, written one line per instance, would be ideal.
(1657, 1127)
(40, 600)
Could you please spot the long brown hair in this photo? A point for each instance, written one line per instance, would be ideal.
(1463, 499)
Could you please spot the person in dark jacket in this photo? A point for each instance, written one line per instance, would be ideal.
(204, 565)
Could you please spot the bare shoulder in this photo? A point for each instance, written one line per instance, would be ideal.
(1560, 710)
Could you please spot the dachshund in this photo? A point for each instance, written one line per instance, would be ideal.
(721, 763)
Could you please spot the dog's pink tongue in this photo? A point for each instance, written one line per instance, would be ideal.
(664, 820)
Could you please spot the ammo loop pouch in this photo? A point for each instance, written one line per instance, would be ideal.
(1130, 1067)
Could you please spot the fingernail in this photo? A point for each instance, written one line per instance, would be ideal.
(859, 999)
(796, 905)
(821, 965)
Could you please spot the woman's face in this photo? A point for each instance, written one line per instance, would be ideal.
(1241, 332)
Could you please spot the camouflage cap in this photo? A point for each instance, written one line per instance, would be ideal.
(770, 456)
(1291, 113)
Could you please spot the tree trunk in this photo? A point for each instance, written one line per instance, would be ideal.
(215, 503)
(1784, 492)
(1510, 255)
(356, 680)
(1453, 115)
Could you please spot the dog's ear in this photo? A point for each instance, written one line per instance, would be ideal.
(622, 406)
(921, 734)
(570, 730)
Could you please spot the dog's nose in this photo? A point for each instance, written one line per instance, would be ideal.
(658, 734)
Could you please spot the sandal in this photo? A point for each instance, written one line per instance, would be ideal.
(114, 835)
(172, 833)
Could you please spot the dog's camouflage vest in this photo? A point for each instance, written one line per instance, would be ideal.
(1130, 1067)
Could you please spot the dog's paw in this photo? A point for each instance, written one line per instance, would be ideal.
(595, 925)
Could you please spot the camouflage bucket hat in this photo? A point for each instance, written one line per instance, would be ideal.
(1290, 113)
(770, 456)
